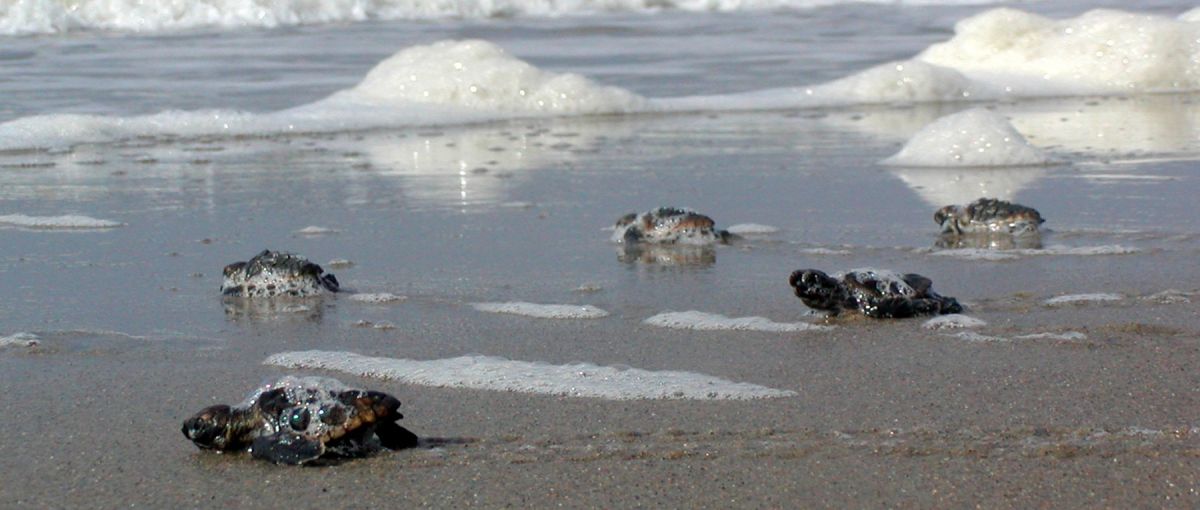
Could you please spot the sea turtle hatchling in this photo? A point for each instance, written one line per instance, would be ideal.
(668, 225)
(876, 293)
(299, 420)
(988, 216)
(274, 273)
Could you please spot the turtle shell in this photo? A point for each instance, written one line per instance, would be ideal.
(988, 216)
(873, 292)
(273, 273)
(299, 420)
(668, 225)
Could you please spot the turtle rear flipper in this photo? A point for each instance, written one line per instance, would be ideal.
(394, 437)
(286, 448)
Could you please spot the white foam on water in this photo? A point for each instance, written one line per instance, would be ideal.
(972, 138)
(824, 251)
(20, 339)
(953, 321)
(56, 16)
(1098, 52)
(1083, 298)
(313, 230)
(445, 83)
(974, 254)
(752, 229)
(704, 321)
(480, 75)
(499, 374)
(1067, 336)
(972, 336)
(1057, 250)
(543, 311)
(996, 54)
(377, 297)
(65, 222)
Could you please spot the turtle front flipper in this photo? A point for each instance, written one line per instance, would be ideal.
(394, 437)
(287, 448)
(902, 307)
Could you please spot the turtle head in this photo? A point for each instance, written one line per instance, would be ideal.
(948, 218)
(209, 428)
(816, 289)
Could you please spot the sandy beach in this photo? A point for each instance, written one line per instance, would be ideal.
(544, 365)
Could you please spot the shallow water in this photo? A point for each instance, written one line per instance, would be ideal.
(516, 210)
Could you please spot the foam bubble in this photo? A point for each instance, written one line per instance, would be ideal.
(480, 75)
(975, 137)
(953, 321)
(703, 321)
(1059, 250)
(498, 374)
(376, 298)
(21, 339)
(313, 230)
(1066, 336)
(1099, 52)
(543, 311)
(752, 229)
(972, 336)
(66, 222)
(1083, 298)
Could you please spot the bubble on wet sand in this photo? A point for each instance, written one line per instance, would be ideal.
(703, 321)
(542, 311)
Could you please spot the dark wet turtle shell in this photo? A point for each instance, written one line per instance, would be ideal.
(875, 293)
(273, 273)
(988, 215)
(668, 225)
(303, 420)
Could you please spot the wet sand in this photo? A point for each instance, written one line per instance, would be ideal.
(886, 412)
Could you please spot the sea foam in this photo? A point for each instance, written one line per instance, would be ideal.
(22, 339)
(445, 83)
(953, 321)
(1099, 52)
(714, 322)
(492, 373)
(377, 298)
(65, 222)
(55, 16)
(976, 138)
(543, 311)
(1082, 298)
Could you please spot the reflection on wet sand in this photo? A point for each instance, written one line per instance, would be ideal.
(672, 255)
(268, 310)
(990, 241)
(945, 186)
(473, 166)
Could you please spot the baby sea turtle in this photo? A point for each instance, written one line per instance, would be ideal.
(668, 225)
(299, 420)
(876, 293)
(274, 273)
(987, 216)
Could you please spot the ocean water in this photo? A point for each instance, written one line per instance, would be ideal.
(476, 155)
(447, 160)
